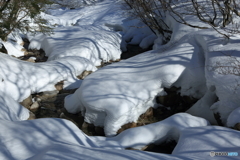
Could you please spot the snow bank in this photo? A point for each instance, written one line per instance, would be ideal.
(198, 142)
(59, 139)
(11, 110)
(222, 73)
(13, 45)
(119, 93)
(202, 107)
(92, 44)
(157, 133)
(20, 79)
(234, 118)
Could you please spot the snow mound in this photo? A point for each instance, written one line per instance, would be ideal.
(222, 74)
(234, 118)
(92, 44)
(13, 45)
(119, 93)
(11, 110)
(20, 78)
(198, 142)
(59, 139)
(168, 129)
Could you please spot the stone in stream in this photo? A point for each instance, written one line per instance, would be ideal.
(84, 74)
(59, 85)
(27, 102)
(34, 107)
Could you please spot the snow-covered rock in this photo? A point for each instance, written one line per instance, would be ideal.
(93, 44)
(20, 78)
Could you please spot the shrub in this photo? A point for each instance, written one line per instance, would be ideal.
(17, 14)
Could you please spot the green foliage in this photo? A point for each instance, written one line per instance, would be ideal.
(17, 14)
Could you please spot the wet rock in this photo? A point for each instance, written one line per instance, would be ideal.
(48, 106)
(27, 102)
(46, 113)
(49, 96)
(34, 107)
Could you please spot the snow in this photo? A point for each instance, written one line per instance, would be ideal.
(203, 63)
(168, 129)
(222, 58)
(13, 48)
(20, 79)
(49, 138)
(233, 118)
(11, 110)
(198, 142)
(202, 107)
(92, 44)
(119, 93)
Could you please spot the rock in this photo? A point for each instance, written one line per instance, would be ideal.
(47, 113)
(148, 114)
(84, 74)
(27, 102)
(48, 106)
(127, 126)
(32, 116)
(23, 50)
(49, 96)
(34, 107)
(59, 85)
(31, 59)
